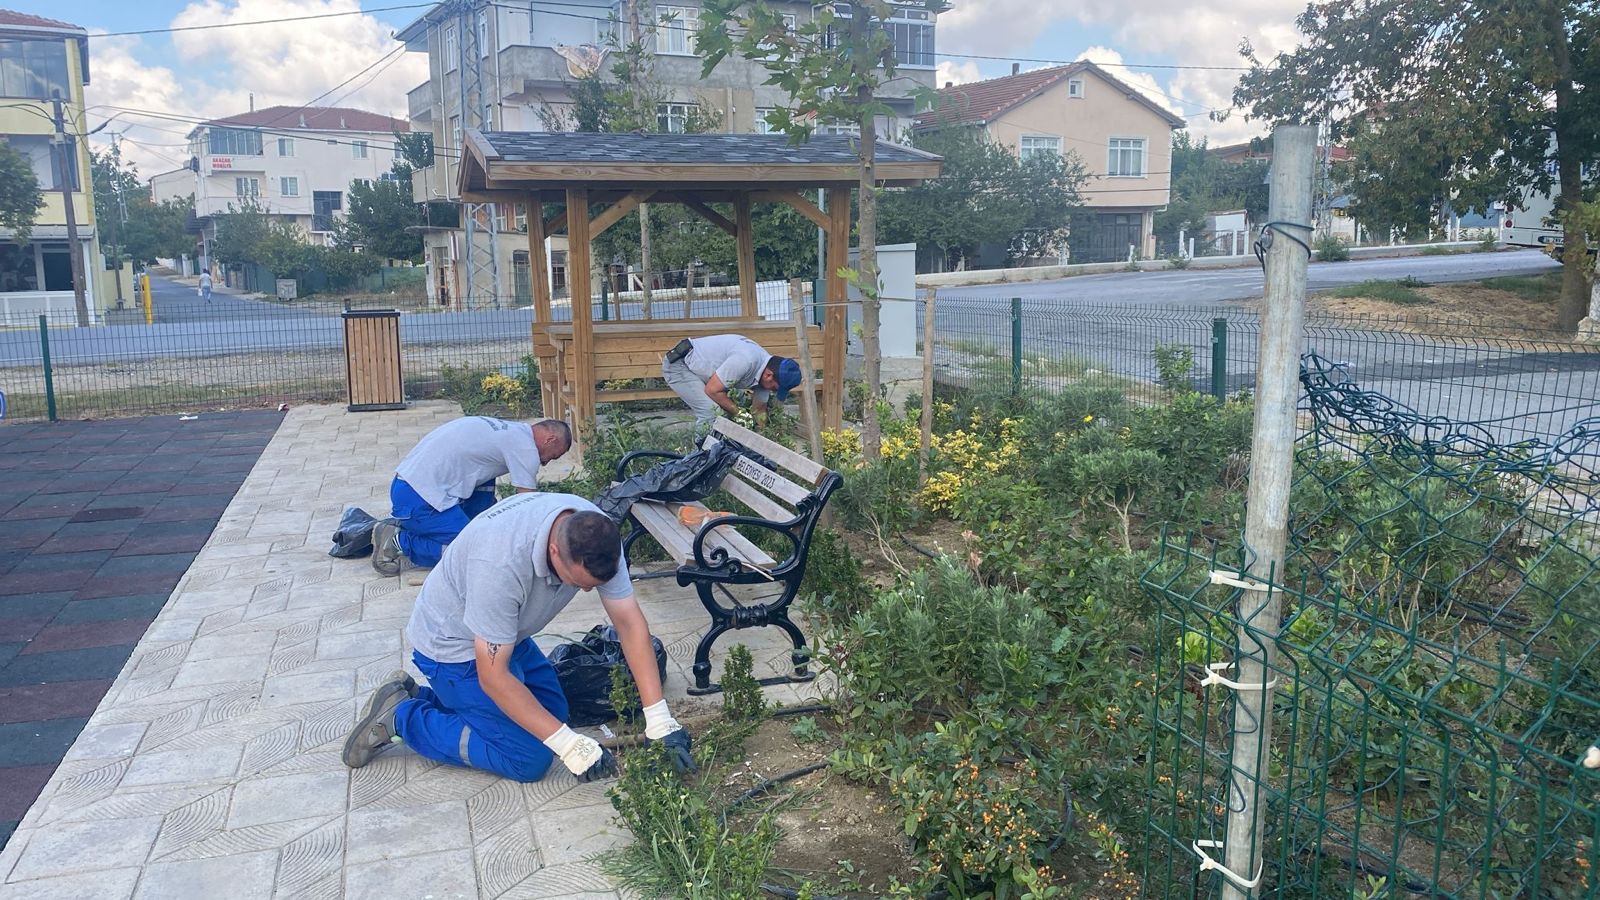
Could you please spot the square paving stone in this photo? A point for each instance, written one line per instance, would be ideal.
(59, 850)
(374, 834)
(37, 743)
(182, 766)
(86, 664)
(259, 801)
(112, 884)
(441, 876)
(238, 876)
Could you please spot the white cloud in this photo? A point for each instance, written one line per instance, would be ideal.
(218, 72)
(958, 73)
(1139, 80)
(1180, 33)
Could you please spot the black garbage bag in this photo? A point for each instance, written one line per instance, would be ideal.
(353, 539)
(694, 477)
(584, 670)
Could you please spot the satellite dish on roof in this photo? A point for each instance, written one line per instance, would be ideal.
(583, 60)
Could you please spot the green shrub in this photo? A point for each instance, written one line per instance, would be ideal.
(833, 584)
(1401, 292)
(1331, 248)
(1174, 366)
(742, 700)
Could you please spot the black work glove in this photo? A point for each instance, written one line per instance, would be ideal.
(604, 767)
(679, 746)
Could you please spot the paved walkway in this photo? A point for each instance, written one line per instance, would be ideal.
(98, 521)
(212, 767)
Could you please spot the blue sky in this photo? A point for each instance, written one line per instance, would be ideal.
(201, 74)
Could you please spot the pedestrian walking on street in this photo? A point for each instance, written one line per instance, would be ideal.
(205, 286)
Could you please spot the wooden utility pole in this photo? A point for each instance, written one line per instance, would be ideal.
(67, 175)
(808, 392)
(1266, 530)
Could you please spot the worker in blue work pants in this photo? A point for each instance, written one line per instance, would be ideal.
(448, 480)
(424, 532)
(493, 701)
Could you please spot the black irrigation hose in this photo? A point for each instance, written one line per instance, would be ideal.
(919, 548)
(784, 712)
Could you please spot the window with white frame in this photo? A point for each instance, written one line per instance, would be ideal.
(1039, 145)
(455, 133)
(1126, 158)
(840, 126)
(452, 51)
(358, 149)
(673, 118)
(762, 125)
(246, 188)
(911, 33)
(1074, 87)
(675, 29)
(285, 147)
(483, 33)
(288, 186)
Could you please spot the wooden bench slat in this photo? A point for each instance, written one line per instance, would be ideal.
(759, 503)
(728, 539)
(810, 472)
(664, 527)
(762, 477)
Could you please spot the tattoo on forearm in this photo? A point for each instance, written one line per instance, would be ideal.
(494, 650)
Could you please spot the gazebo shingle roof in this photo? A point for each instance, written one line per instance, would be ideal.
(686, 149)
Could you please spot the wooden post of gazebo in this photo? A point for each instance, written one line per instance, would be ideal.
(625, 170)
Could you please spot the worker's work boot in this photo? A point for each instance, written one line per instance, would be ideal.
(375, 730)
(387, 557)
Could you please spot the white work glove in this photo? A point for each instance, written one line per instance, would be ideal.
(659, 725)
(583, 756)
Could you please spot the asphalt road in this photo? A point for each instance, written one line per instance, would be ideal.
(1110, 322)
(1189, 287)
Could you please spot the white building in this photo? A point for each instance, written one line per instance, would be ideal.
(530, 52)
(296, 163)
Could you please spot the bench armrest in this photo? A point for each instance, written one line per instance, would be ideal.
(622, 465)
(719, 557)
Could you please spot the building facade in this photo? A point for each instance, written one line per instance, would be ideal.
(295, 163)
(530, 53)
(1123, 139)
(41, 59)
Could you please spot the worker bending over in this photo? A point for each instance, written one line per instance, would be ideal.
(492, 700)
(703, 370)
(448, 479)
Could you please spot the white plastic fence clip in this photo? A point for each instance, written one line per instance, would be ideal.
(1214, 676)
(1591, 759)
(1221, 576)
(1207, 863)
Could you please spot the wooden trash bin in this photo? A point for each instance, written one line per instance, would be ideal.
(372, 359)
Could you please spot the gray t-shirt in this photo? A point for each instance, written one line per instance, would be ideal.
(735, 358)
(495, 580)
(447, 465)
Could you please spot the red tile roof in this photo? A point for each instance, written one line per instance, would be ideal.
(10, 17)
(981, 101)
(316, 118)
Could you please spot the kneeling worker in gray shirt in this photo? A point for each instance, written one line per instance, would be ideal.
(492, 700)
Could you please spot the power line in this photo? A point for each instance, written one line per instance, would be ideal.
(215, 25)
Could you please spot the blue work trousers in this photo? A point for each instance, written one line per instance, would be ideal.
(454, 722)
(425, 531)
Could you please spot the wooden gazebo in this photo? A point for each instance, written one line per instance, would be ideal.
(600, 178)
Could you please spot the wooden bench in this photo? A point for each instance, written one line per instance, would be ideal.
(630, 350)
(783, 492)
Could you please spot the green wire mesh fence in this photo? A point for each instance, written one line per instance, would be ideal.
(1436, 670)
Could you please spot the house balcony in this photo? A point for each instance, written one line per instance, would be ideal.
(419, 103)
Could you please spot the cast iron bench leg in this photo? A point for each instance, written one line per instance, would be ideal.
(724, 620)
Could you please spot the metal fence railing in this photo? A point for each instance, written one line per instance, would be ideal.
(248, 352)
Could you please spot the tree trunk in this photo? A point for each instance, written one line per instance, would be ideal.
(1574, 302)
(644, 255)
(867, 225)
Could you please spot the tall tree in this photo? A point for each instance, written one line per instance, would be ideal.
(133, 226)
(832, 68)
(1486, 96)
(379, 216)
(984, 196)
(20, 196)
(1203, 184)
